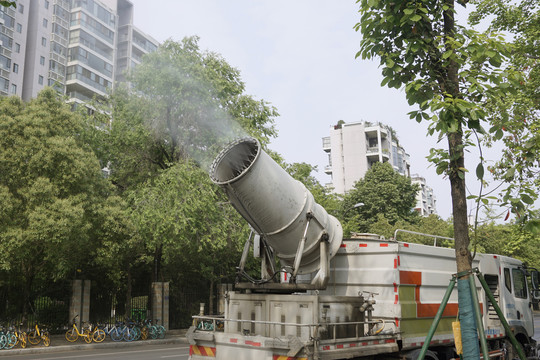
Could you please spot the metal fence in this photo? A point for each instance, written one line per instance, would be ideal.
(47, 305)
(184, 303)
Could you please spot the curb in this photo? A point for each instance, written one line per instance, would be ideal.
(108, 344)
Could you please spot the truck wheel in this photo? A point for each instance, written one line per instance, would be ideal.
(430, 355)
(512, 353)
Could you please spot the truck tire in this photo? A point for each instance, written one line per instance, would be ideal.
(430, 355)
(512, 353)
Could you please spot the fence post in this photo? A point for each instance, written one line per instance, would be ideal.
(80, 300)
(222, 290)
(160, 303)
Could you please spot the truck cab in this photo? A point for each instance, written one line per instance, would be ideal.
(516, 298)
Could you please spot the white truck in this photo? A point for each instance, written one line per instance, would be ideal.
(321, 297)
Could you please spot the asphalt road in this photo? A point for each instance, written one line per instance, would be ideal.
(141, 352)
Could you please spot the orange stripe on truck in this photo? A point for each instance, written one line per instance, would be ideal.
(430, 309)
(285, 357)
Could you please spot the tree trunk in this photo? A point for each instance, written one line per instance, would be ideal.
(128, 293)
(28, 280)
(469, 332)
(157, 263)
(459, 202)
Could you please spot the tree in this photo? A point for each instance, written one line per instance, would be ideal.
(120, 250)
(183, 104)
(449, 72)
(520, 132)
(193, 103)
(381, 191)
(51, 186)
(186, 223)
(509, 240)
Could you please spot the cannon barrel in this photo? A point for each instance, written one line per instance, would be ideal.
(276, 206)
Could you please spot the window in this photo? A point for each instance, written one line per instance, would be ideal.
(19, 28)
(40, 80)
(42, 60)
(13, 88)
(15, 68)
(507, 281)
(520, 283)
(45, 22)
(5, 63)
(21, 8)
(43, 41)
(17, 48)
(46, 4)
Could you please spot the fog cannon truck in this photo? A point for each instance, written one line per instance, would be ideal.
(322, 297)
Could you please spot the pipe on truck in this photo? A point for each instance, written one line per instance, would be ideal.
(276, 206)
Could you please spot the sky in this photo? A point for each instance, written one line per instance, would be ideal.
(299, 55)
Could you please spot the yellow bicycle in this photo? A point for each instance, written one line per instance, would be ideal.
(36, 335)
(21, 337)
(72, 335)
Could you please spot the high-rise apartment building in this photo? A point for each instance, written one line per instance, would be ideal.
(132, 42)
(425, 199)
(80, 47)
(353, 148)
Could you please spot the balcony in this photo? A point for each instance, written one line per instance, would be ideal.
(326, 144)
(328, 169)
(371, 150)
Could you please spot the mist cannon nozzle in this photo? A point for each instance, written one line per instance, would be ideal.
(276, 206)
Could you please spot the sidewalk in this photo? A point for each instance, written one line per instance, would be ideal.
(59, 343)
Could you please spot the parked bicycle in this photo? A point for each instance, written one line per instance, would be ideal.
(88, 333)
(123, 331)
(7, 338)
(156, 331)
(37, 335)
(22, 337)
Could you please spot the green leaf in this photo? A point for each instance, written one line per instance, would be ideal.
(510, 174)
(480, 171)
(442, 167)
(416, 18)
(527, 199)
(412, 114)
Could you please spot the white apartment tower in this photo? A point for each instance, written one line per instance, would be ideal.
(80, 47)
(425, 199)
(353, 148)
(132, 42)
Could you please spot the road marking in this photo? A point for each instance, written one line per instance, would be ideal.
(119, 352)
